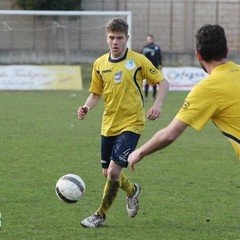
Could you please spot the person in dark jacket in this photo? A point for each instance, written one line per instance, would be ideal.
(153, 53)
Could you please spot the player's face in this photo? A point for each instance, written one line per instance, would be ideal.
(117, 42)
(149, 40)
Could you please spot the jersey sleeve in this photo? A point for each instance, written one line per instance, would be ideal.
(151, 73)
(199, 107)
(97, 81)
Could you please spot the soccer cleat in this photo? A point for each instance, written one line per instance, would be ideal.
(132, 202)
(94, 221)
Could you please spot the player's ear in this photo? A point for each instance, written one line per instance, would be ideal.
(198, 55)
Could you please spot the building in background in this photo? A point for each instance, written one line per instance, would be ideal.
(173, 22)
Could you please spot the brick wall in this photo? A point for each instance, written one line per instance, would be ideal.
(6, 4)
(173, 22)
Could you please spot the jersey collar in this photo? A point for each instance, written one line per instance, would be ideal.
(119, 59)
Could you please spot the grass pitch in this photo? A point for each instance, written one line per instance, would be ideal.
(191, 190)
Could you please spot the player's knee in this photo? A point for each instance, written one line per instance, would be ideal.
(113, 174)
(105, 172)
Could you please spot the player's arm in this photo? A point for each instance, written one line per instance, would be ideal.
(155, 111)
(160, 140)
(90, 103)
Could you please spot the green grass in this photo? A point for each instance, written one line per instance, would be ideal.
(191, 190)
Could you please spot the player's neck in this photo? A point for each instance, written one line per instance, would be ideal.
(213, 64)
(116, 56)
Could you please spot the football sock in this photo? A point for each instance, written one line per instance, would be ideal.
(109, 194)
(126, 185)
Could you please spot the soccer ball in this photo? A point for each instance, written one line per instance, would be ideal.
(70, 188)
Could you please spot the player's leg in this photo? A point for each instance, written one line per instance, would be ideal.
(124, 145)
(146, 88)
(126, 185)
(116, 179)
(154, 91)
(111, 188)
(98, 218)
(132, 192)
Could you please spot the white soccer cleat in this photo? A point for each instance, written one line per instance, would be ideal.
(132, 202)
(94, 221)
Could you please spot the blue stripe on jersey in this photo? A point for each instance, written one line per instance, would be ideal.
(231, 137)
(136, 83)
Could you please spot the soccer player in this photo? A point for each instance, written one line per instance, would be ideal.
(118, 77)
(215, 98)
(153, 52)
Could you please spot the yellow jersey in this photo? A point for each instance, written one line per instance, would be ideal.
(217, 97)
(120, 82)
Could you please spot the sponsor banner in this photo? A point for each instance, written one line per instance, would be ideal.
(42, 77)
(183, 78)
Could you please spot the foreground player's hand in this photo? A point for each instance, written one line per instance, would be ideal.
(153, 113)
(82, 112)
(133, 158)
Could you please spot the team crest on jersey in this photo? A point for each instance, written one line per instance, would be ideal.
(118, 77)
(186, 104)
(130, 65)
(153, 71)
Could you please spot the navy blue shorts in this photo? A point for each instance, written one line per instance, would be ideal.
(118, 148)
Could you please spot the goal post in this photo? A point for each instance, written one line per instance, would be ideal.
(55, 37)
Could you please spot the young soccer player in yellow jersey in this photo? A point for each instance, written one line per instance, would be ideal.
(215, 98)
(118, 78)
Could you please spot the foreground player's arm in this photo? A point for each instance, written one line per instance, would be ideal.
(155, 111)
(160, 140)
(90, 103)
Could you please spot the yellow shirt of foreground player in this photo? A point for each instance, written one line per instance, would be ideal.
(120, 81)
(217, 97)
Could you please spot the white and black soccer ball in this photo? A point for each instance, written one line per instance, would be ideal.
(70, 188)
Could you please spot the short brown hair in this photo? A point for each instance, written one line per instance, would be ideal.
(211, 42)
(117, 25)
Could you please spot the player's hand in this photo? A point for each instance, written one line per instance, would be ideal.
(153, 113)
(133, 158)
(82, 112)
